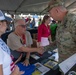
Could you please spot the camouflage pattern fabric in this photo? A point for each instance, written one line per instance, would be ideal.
(50, 47)
(66, 37)
(66, 33)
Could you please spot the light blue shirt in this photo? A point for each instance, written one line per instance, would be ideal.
(4, 47)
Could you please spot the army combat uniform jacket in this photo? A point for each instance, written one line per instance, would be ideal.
(66, 37)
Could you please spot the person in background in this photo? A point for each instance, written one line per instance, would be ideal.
(53, 28)
(39, 23)
(6, 67)
(20, 41)
(44, 34)
(33, 22)
(66, 29)
(28, 21)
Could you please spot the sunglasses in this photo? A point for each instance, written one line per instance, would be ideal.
(23, 26)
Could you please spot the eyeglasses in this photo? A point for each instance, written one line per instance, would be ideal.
(23, 26)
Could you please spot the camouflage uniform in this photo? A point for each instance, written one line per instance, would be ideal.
(65, 35)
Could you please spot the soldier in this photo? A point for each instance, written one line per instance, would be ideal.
(66, 30)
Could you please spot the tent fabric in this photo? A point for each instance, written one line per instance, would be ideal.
(31, 6)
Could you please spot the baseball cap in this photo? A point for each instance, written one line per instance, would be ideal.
(2, 17)
(54, 3)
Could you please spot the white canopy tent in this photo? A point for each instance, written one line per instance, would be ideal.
(31, 6)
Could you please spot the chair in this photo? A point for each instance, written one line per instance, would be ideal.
(5, 36)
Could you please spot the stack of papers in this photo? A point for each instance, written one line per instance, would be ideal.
(51, 64)
(66, 65)
(41, 69)
(35, 56)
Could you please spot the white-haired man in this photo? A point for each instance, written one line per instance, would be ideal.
(20, 41)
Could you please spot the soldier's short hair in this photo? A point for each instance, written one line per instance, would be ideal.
(54, 3)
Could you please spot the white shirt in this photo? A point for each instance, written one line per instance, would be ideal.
(5, 59)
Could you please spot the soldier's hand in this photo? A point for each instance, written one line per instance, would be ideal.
(40, 50)
(53, 43)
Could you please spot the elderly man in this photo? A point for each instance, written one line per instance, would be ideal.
(66, 30)
(20, 41)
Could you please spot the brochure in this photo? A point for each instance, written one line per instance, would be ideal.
(40, 69)
(35, 56)
(51, 64)
(67, 64)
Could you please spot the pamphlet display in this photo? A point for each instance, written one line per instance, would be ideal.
(66, 65)
(51, 64)
(40, 69)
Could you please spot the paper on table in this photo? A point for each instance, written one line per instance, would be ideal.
(66, 65)
(56, 55)
(41, 68)
(51, 64)
(35, 56)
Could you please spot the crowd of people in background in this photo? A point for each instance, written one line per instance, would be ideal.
(61, 31)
